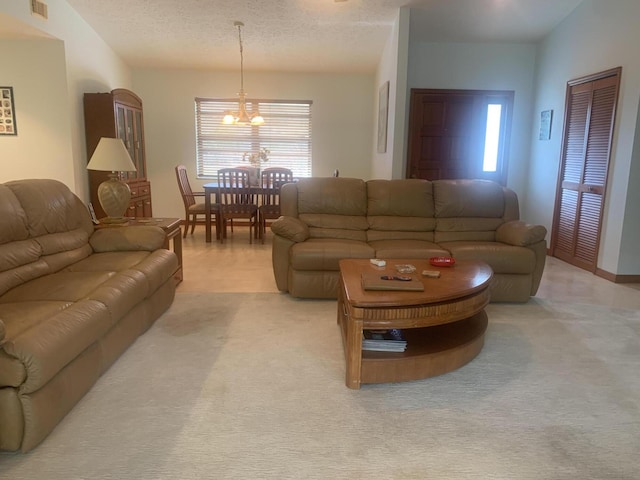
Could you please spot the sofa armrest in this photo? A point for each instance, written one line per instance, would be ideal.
(290, 228)
(115, 239)
(520, 233)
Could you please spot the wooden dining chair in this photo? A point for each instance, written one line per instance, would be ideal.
(237, 200)
(272, 179)
(194, 203)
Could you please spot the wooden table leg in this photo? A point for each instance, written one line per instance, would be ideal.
(207, 214)
(353, 351)
(175, 238)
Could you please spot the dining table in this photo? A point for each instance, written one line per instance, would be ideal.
(210, 189)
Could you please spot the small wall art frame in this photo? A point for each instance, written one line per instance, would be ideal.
(7, 112)
(546, 117)
(383, 116)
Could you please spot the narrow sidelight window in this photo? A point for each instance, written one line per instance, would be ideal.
(492, 138)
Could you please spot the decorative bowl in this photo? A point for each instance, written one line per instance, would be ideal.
(442, 261)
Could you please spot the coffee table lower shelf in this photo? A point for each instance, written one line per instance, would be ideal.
(430, 351)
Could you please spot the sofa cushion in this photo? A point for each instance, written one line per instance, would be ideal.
(62, 286)
(324, 253)
(122, 292)
(13, 219)
(418, 228)
(20, 316)
(333, 196)
(400, 209)
(347, 227)
(108, 261)
(45, 348)
(467, 210)
(502, 258)
(400, 198)
(468, 198)
(17, 318)
(291, 228)
(143, 237)
(20, 262)
(406, 249)
(520, 233)
(36, 241)
(64, 213)
(466, 229)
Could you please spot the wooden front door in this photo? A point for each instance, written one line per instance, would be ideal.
(447, 131)
(588, 129)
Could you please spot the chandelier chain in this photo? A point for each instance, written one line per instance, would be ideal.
(241, 58)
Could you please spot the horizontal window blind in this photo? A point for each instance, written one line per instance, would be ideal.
(286, 133)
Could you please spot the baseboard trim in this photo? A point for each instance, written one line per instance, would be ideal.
(612, 277)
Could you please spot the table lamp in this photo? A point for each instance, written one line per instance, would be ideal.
(114, 195)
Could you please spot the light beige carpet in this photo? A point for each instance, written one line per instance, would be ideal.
(251, 386)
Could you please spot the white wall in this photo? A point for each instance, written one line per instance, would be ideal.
(342, 121)
(486, 66)
(89, 66)
(597, 36)
(392, 68)
(42, 149)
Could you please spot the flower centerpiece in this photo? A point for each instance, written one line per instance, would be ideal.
(256, 159)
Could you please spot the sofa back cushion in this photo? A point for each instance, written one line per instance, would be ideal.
(467, 209)
(44, 227)
(400, 209)
(333, 207)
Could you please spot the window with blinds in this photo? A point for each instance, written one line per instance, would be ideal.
(286, 133)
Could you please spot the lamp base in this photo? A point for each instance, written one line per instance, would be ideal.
(114, 196)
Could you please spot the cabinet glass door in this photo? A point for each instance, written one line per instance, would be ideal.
(121, 123)
(139, 146)
(131, 142)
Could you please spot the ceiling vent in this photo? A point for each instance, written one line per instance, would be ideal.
(40, 9)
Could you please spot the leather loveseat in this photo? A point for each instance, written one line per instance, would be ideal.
(71, 301)
(326, 219)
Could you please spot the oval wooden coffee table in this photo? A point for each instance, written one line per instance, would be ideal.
(444, 325)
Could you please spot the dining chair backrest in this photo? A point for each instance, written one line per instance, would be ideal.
(272, 179)
(183, 184)
(234, 187)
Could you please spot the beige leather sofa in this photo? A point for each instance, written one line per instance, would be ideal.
(71, 301)
(326, 219)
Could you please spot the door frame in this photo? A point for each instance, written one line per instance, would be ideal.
(481, 98)
(601, 190)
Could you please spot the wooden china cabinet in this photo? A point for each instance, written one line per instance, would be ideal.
(118, 114)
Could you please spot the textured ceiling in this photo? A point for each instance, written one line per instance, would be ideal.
(302, 35)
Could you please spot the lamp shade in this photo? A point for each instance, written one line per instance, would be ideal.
(111, 156)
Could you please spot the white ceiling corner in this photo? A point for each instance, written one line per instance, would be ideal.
(302, 35)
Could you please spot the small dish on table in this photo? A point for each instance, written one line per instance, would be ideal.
(442, 261)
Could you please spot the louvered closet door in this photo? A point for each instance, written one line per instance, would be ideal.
(589, 119)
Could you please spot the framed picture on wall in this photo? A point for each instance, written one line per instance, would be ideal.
(546, 117)
(383, 116)
(7, 112)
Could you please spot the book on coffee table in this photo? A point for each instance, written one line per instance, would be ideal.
(384, 340)
(376, 281)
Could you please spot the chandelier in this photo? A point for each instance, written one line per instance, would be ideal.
(242, 117)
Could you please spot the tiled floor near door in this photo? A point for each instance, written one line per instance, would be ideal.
(237, 266)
